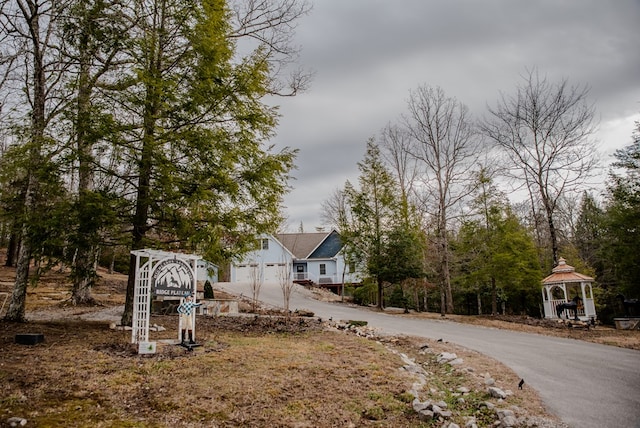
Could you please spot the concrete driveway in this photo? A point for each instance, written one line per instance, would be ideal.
(587, 385)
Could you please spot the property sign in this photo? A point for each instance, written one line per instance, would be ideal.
(172, 278)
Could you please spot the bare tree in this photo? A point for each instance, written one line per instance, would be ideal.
(255, 278)
(271, 24)
(396, 144)
(286, 284)
(444, 147)
(545, 130)
(336, 212)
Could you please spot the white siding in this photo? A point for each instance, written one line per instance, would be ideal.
(268, 262)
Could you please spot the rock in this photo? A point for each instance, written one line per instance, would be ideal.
(159, 327)
(441, 404)
(497, 392)
(489, 405)
(489, 381)
(445, 357)
(445, 414)
(456, 362)
(463, 390)
(418, 405)
(470, 422)
(16, 422)
(452, 425)
(425, 415)
(503, 413)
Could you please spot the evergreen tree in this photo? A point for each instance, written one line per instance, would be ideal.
(204, 178)
(373, 207)
(623, 218)
(94, 34)
(31, 26)
(590, 238)
(498, 252)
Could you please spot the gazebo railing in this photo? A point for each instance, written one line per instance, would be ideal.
(581, 308)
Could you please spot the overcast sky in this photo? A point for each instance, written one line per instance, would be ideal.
(368, 55)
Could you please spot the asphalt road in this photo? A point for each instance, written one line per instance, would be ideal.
(587, 385)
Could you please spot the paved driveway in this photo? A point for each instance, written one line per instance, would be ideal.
(587, 385)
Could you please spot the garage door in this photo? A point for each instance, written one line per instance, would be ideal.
(244, 273)
(271, 272)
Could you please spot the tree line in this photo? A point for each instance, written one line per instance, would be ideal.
(136, 124)
(431, 223)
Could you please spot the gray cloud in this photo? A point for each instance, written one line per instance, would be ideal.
(368, 55)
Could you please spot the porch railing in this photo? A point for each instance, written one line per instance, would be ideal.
(321, 280)
(581, 308)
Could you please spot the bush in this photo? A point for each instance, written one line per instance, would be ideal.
(365, 295)
(208, 290)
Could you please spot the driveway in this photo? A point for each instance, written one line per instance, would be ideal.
(587, 385)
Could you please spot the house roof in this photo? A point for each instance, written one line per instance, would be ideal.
(302, 245)
(565, 273)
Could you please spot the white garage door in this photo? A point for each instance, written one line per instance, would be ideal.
(244, 273)
(270, 272)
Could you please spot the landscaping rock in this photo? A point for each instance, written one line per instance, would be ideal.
(497, 392)
(16, 422)
(446, 357)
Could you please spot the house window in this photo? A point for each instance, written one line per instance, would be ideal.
(323, 269)
(265, 244)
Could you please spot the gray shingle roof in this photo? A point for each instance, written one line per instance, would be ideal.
(301, 244)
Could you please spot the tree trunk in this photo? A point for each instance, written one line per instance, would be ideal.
(113, 262)
(494, 297)
(12, 249)
(84, 278)
(16, 309)
(84, 273)
(380, 295)
(31, 15)
(478, 296)
(446, 274)
(552, 235)
(152, 109)
(127, 315)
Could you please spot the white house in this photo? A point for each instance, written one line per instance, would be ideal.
(309, 258)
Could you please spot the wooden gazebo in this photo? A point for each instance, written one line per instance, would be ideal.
(562, 286)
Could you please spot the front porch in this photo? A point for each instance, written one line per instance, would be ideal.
(324, 281)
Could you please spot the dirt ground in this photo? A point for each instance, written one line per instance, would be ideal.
(251, 371)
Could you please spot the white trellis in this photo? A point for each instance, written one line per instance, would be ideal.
(160, 273)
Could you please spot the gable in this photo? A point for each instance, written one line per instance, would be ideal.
(301, 244)
(269, 250)
(329, 247)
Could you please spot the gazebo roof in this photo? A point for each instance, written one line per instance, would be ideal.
(565, 273)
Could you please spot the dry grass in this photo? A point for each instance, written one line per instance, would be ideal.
(87, 375)
(250, 372)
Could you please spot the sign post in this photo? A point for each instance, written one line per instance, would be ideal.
(160, 273)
